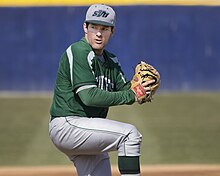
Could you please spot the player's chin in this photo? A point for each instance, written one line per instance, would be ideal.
(97, 46)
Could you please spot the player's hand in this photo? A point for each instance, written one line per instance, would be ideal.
(145, 82)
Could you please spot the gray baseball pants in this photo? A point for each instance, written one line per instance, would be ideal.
(87, 141)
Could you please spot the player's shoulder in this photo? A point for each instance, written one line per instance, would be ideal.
(112, 57)
(81, 46)
(80, 53)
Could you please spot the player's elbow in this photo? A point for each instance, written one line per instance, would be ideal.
(87, 101)
(85, 98)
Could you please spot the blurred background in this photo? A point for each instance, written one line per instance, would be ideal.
(181, 39)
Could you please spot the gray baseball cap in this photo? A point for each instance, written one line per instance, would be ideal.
(100, 14)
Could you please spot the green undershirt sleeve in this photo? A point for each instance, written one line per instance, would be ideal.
(100, 98)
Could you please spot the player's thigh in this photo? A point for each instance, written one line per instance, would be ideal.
(100, 135)
(102, 125)
(80, 136)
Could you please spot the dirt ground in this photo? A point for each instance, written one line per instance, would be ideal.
(157, 170)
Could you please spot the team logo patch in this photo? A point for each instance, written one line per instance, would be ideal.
(100, 13)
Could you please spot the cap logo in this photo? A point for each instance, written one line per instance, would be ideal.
(100, 13)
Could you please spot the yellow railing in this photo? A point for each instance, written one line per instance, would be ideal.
(109, 2)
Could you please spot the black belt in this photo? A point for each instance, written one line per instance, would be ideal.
(53, 117)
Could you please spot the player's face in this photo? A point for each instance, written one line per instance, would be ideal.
(97, 36)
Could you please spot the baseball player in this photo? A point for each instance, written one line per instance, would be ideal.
(89, 81)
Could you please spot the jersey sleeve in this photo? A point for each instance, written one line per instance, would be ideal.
(96, 97)
(81, 68)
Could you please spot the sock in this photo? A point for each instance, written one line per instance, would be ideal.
(129, 165)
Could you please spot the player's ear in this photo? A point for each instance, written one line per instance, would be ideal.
(113, 31)
(85, 27)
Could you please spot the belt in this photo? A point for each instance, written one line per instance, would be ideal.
(53, 117)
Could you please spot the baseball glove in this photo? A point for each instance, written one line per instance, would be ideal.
(143, 74)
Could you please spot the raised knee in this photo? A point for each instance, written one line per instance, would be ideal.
(135, 135)
(130, 145)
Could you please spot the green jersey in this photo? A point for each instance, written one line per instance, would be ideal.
(80, 69)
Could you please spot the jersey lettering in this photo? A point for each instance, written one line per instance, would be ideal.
(104, 83)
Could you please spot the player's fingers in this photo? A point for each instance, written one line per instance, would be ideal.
(145, 84)
(147, 90)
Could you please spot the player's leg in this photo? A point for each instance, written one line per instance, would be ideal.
(94, 165)
(83, 136)
(117, 136)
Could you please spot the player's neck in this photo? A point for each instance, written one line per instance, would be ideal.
(98, 52)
